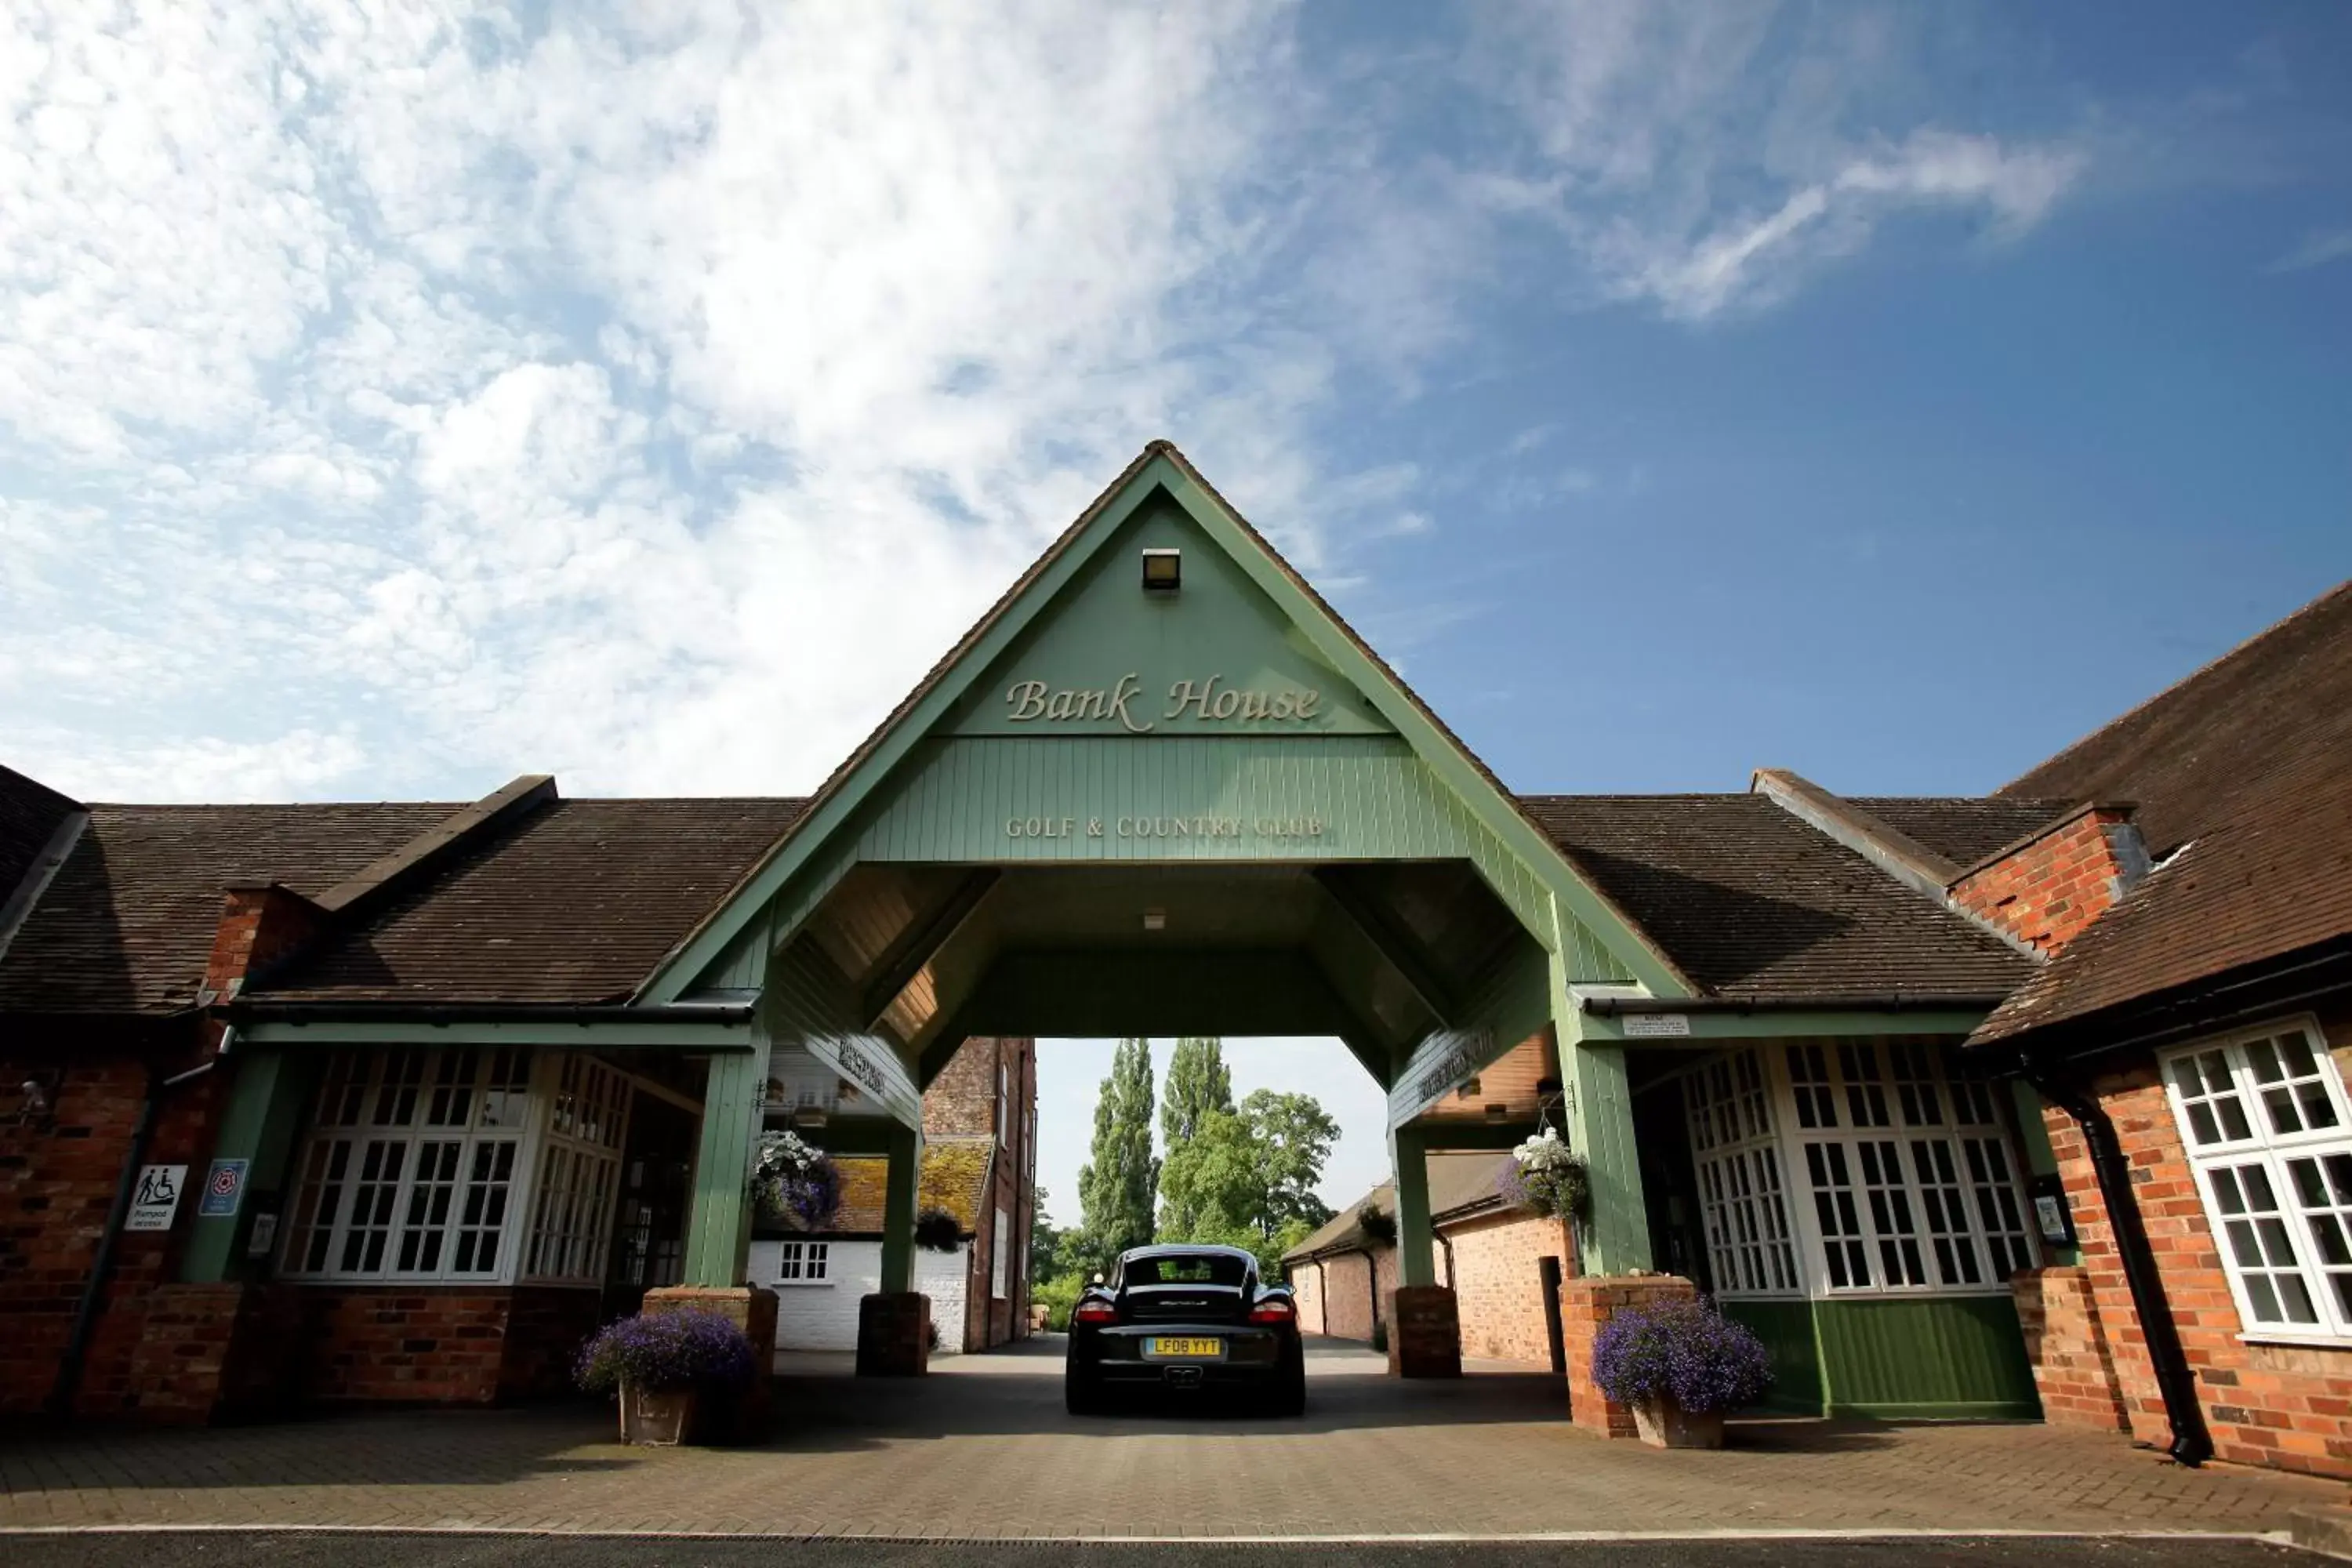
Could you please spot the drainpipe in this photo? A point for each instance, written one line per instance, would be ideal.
(1373, 1285)
(101, 1268)
(1445, 1243)
(2191, 1445)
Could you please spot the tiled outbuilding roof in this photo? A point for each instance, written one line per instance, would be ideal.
(127, 924)
(955, 1177)
(2244, 772)
(575, 903)
(1963, 829)
(30, 814)
(1459, 1184)
(1756, 905)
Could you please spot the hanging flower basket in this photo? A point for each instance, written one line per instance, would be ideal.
(937, 1230)
(667, 1369)
(1547, 1176)
(1679, 1366)
(794, 1184)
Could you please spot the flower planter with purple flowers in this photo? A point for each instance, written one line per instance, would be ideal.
(1679, 1366)
(666, 1368)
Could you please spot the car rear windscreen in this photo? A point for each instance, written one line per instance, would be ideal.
(1205, 1268)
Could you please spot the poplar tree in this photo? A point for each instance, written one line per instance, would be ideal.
(1198, 1083)
(1119, 1187)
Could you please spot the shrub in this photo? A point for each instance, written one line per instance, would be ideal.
(795, 1182)
(1377, 1223)
(1057, 1296)
(668, 1352)
(936, 1230)
(1683, 1351)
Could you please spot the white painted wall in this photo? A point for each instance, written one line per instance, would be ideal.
(823, 1316)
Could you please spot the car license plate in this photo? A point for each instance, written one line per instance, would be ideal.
(1184, 1347)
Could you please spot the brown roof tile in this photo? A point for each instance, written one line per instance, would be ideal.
(1757, 905)
(955, 1177)
(30, 812)
(2249, 764)
(1963, 829)
(575, 903)
(127, 925)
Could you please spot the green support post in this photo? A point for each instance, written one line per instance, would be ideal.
(1600, 1105)
(1416, 1244)
(719, 1223)
(268, 1094)
(899, 1209)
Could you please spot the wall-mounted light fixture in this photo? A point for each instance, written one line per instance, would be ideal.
(38, 1109)
(1163, 571)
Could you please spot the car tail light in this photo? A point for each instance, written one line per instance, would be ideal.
(1274, 1311)
(1094, 1312)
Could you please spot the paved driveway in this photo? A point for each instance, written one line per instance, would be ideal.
(983, 1448)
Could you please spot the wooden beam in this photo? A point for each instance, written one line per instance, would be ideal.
(1391, 944)
(899, 968)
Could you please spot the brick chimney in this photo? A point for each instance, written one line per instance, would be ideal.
(2046, 888)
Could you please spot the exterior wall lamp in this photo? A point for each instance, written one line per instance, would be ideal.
(1163, 571)
(39, 1108)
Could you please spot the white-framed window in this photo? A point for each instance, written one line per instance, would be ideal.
(2268, 1128)
(1854, 1167)
(802, 1262)
(421, 1164)
(579, 1173)
(411, 1166)
(1742, 1206)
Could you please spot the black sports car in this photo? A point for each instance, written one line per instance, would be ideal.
(1188, 1317)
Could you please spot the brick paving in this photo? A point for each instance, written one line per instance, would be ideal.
(983, 1448)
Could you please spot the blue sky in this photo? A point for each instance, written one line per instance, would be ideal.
(398, 400)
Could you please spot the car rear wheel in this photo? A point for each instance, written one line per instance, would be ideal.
(1288, 1395)
(1081, 1392)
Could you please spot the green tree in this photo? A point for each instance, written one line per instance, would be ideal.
(1118, 1186)
(1199, 1087)
(1047, 1241)
(1247, 1177)
(1198, 1083)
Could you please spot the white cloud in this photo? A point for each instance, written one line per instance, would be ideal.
(421, 394)
(1702, 158)
(2317, 248)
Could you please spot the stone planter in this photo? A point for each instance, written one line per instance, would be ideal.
(1663, 1423)
(659, 1418)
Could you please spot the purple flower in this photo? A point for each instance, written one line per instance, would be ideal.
(666, 1350)
(1683, 1351)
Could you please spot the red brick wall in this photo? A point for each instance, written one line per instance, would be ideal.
(964, 1100)
(56, 1188)
(2285, 1405)
(2045, 892)
(1498, 1278)
(1335, 1295)
(2066, 1340)
(1585, 1307)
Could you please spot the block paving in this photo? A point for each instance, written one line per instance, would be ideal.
(982, 1448)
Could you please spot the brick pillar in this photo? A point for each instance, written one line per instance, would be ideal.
(750, 1309)
(2074, 1366)
(1425, 1331)
(894, 1334)
(1585, 1304)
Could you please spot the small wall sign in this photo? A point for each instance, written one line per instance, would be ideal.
(2051, 1216)
(224, 1189)
(1652, 1026)
(156, 1198)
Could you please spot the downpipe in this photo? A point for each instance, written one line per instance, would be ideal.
(101, 1267)
(2192, 1444)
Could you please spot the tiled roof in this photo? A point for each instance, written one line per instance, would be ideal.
(1456, 1183)
(1963, 829)
(1756, 905)
(127, 925)
(864, 1184)
(576, 903)
(955, 1177)
(2248, 763)
(30, 812)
